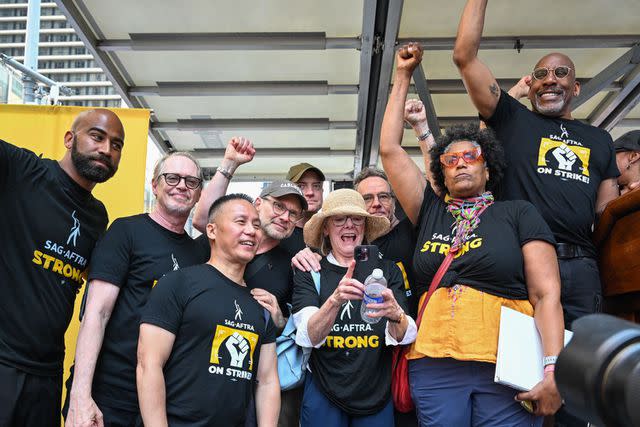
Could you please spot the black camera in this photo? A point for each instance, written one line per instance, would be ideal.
(598, 373)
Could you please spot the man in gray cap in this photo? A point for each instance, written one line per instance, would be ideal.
(310, 180)
(628, 159)
(280, 206)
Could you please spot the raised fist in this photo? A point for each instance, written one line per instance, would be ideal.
(239, 150)
(565, 157)
(238, 349)
(409, 57)
(414, 112)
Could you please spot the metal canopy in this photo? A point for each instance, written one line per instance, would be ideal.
(309, 81)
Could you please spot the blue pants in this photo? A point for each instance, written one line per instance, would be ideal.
(449, 392)
(318, 411)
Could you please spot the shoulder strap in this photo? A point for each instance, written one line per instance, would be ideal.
(254, 267)
(316, 280)
(434, 284)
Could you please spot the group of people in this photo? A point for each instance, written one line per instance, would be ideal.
(180, 331)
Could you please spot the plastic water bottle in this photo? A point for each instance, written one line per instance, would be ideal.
(373, 287)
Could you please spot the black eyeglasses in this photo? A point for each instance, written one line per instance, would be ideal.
(560, 72)
(280, 209)
(384, 198)
(174, 179)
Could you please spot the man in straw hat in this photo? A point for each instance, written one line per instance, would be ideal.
(350, 364)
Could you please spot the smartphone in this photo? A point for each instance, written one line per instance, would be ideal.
(367, 259)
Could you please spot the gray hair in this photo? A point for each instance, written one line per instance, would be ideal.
(159, 167)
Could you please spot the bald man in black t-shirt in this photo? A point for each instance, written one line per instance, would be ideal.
(51, 223)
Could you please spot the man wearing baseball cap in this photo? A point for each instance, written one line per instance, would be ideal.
(628, 159)
(310, 180)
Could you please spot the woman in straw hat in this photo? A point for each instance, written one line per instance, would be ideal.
(500, 254)
(350, 379)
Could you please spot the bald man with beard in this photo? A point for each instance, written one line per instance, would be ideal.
(50, 226)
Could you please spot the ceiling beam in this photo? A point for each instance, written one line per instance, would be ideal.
(422, 87)
(392, 27)
(621, 111)
(617, 68)
(253, 124)
(533, 42)
(228, 41)
(87, 35)
(252, 88)
(191, 125)
(302, 87)
(372, 26)
(319, 41)
(613, 100)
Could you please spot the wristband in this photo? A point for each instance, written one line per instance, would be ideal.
(550, 368)
(549, 360)
(225, 172)
(425, 135)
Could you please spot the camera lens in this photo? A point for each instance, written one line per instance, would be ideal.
(598, 373)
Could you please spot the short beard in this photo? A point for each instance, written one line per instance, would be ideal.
(89, 171)
(276, 235)
(552, 110)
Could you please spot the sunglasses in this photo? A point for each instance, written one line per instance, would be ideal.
(450, 160)
(560, 72)
(174, 179)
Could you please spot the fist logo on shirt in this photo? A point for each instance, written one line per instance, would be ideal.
(565, 157)
(238, 348)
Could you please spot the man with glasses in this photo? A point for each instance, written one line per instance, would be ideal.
(132, 256)
(310, 179)
(566, 168)
(50, 224)
(280, 206)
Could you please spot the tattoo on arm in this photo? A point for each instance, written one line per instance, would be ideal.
(495, 90)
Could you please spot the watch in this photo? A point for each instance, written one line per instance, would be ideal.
(549, 360)
(225, 172)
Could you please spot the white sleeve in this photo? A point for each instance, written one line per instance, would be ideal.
(409, 335)
(301, 320)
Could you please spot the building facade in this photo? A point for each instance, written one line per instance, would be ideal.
(61, 56)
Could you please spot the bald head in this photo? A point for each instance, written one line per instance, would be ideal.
(551, 92)
(564, 59)
(99, 115)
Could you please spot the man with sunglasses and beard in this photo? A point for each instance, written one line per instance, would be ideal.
(128, 261)
(50, 226)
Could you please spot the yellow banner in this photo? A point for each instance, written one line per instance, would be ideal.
(41, 129)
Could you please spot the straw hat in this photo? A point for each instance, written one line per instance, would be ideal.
(343, 202)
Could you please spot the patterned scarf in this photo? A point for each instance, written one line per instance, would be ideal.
(467, 216)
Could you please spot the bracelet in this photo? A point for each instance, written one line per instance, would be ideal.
(225, 172)
(550, 368)
(399, 320)
(549, 360)
(425, 135)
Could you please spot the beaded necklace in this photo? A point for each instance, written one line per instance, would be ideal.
(467, 216)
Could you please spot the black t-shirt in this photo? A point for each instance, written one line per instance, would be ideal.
(397, 246)
(219, 330)
(269, 270)
(556, 164)
(294, 243)
(491, 259)
(50, 225)
(134, 253)
(353, 367)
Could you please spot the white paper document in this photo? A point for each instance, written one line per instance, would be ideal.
(519, 359)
